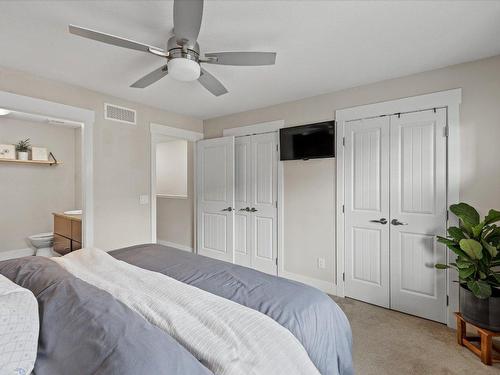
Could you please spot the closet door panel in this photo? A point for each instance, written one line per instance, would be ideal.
(243, 194)
(367, 210)
(263, 205)
(215, 192)
(418, 206)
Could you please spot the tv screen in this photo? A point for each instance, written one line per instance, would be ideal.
(304, 142)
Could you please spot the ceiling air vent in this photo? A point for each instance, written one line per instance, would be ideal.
(121, 114)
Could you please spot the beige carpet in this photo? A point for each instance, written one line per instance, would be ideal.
(386, 342)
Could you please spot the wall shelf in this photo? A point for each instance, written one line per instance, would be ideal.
(43, 162)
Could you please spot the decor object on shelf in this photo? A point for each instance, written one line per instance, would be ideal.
(39, 153)
(476, 244)
(7, 151)
(487, 349)
(23, 148)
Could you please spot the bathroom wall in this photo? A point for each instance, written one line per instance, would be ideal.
(30, 193)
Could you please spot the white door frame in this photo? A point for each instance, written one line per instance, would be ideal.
(260, 128)
(76, 116)
(449, 99)
(169, 131)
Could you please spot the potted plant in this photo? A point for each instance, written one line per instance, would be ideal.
(476, 244)
(22, 148)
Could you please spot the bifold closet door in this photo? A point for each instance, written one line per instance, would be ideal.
(367, 210)
(215, 193)
(418, 213)
(256, 225)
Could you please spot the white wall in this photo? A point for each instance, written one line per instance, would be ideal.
(121, 155)
(171, 168)
(479, 132)
(30, 193)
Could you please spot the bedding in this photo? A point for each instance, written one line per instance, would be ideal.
(84, 330)
(18, 328)
(309, 314)
(228, 338)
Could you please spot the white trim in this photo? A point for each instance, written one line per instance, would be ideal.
(156, 132)
(19, 253)
(451, 100)
(171, 196)
(324, 286)
(175, 245)
(175, 132)
(86, 118)
(263, 127)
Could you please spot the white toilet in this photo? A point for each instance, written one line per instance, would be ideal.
(43, 243)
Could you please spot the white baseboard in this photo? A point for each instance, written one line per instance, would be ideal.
(19, 253)
(325, 286)
(175, 245)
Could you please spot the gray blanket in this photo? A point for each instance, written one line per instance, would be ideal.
(84, 330)
(315, 320)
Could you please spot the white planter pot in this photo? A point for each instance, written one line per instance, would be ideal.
(22, 155)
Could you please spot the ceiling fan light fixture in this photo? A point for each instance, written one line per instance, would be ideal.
(183, 69)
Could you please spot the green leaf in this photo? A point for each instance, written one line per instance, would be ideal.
(464, 273)
(481, 289)
(466, 227)
(472, 248)
(466, 213)
(463, 263)
(456, 233)
(476, 229)
(440, 266)
(492, 217)
(447, 241)
(491, 249)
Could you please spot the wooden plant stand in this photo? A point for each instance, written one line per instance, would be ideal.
(486, 348)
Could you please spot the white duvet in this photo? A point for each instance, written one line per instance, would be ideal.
(228, 338)
(19, 326)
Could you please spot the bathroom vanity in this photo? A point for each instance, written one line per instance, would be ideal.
(67, 233)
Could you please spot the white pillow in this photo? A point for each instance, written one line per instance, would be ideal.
(19, 326)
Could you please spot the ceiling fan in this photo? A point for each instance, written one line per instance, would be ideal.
(183, 52)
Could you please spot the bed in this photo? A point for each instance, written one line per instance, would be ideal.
(84, 329)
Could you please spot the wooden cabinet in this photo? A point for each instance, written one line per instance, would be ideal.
(67, 233)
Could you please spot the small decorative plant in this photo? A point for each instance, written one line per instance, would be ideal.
(476, 244)
(23, 146)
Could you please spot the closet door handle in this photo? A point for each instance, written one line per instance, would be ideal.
(247, 209)
(397, 222)
(381, 221)
(229, 209)
(253, 209)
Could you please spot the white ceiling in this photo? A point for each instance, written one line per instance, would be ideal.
(322, 46)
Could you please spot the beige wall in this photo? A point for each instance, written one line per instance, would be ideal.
(171, 168)
(479, 132)
(174, 216)
(30, 193)
(121, 156)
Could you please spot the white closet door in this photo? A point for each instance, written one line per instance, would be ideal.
(418, 213)
(367, 210)
(243, 201)
(215, 178)
(263, 213)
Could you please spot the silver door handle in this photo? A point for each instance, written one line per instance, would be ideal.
(247, 209)
(253, 209)
(381, 221)
(229, 209)
(397, 222)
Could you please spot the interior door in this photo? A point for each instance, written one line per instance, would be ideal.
(367, 210)
(215, 180)
(263, 209)
(243, 201)
(418, 213)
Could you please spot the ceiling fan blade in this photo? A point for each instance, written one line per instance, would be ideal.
(241, 58)
(187, 18)
(211, 83)
(113, 40)
(151, 78)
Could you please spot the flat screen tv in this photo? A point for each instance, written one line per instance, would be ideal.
(304, 142)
